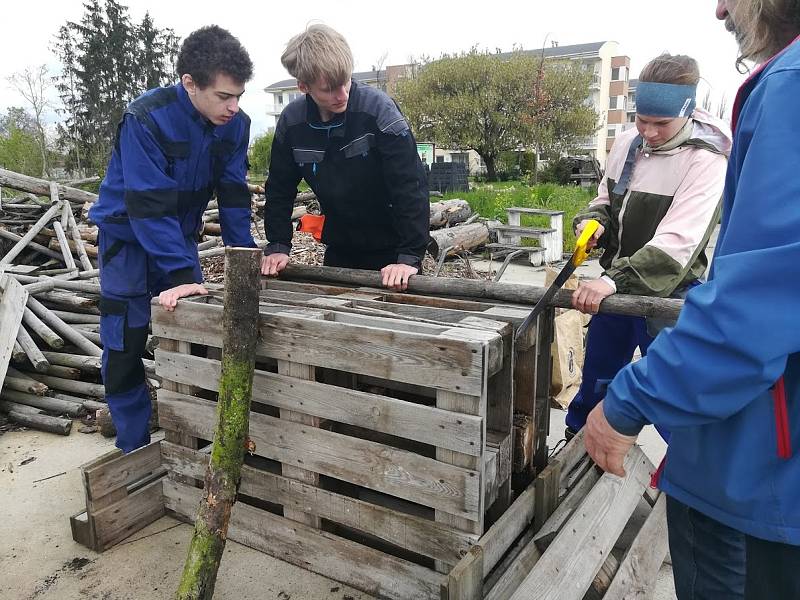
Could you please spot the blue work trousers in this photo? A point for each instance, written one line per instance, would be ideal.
(128, 281)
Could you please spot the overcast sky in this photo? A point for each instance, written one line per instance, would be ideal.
(643, 28)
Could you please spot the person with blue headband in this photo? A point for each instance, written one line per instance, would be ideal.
(657, 206)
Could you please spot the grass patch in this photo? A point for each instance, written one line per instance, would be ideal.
(490, 200)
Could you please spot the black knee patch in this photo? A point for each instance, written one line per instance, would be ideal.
(124, 369)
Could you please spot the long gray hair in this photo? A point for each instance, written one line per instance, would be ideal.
(764, 27)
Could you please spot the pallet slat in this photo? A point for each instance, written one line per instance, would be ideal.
(436, 361)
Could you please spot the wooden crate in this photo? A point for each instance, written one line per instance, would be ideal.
(382, 444)
(531, 364)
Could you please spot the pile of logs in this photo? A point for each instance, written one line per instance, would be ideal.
(454, 229)
(49, 321)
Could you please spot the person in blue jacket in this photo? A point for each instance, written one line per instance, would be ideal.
(726, 379)
(176, 147)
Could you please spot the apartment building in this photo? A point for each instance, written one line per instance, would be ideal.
(609, 93)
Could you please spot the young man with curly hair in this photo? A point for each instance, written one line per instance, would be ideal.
(176, 146)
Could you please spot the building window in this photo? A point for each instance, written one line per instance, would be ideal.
(616, 103)
(612, 132)
(632, 118)
(619, 74)
(279, 98)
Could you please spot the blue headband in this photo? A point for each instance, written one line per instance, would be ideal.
(665, 99)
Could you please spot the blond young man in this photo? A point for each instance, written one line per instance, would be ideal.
(726, 379)
(354, 148)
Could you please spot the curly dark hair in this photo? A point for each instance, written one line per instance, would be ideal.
(211, 50)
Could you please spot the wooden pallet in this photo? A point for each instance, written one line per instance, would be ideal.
(530, 366)
(382, 443)
(123, 495)
(585, 540)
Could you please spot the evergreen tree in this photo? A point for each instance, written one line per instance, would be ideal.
(108, 61)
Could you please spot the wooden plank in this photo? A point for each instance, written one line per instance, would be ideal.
(497, 470)
(637, 573)
(548, 531)
(544, 368)
(465, 581)
(304, 372)
(184, 348)
(512, 570)
(139, 509)
(350, 563)
(368, 464)
(79, 525)
(571, 562)
(430, 425)
(12, 308)
(570, 455)
(475, 405)
(404, 530)
(547, 488)
(121, 471)
(507, 528)
(436, 361)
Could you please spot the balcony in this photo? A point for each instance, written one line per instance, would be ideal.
(273, 110)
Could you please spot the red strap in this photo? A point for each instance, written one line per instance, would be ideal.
(655, 478)
(782, 420)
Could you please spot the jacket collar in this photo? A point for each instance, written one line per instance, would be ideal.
(750, 82)
(335, 126)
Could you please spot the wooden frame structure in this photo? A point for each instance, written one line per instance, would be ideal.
(384, 443)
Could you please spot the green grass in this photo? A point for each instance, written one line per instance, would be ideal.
(490, 200)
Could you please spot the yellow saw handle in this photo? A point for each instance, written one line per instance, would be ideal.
(581, 253)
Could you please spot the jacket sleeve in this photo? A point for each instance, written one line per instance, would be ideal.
(407, 183)
(281, 190)
(233, 195)
(735, 333)
(659, 266)
(599, 209)
(151, 199)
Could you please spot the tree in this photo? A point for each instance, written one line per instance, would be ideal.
(19, 148)
(491, 103)
(108, 61)
(260, 153)
(33, 84)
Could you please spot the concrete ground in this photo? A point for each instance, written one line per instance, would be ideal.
(41, 489)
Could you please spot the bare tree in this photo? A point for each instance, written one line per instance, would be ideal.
(706, 104)
(378, 67)
(33, 84)
(722, 108)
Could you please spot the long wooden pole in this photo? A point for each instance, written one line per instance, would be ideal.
(641, 306)
(41, 187)
(20, 245)
(240, 315)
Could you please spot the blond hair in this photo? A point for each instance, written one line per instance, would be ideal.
(677, 69)
(320, 52)
(764, 27)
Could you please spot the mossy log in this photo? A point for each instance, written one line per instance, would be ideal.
(240, 315)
